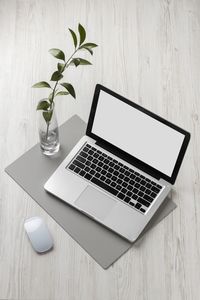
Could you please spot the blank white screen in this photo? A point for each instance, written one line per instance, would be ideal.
(136, 133)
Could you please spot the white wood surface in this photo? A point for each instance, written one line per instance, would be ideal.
(149, 51)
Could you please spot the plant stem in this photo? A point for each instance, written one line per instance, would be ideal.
(54, 90)
(47, 132)
(53, 95)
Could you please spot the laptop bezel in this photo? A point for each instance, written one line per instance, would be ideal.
(124, 155)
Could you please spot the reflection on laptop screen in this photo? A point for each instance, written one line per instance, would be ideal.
(136, 133)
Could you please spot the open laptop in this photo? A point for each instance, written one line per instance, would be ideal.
(121, 171)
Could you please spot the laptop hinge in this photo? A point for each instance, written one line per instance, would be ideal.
(133, 163)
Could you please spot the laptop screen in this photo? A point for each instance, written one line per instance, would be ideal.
(137, 133)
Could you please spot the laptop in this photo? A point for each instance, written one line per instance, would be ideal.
(121, 171)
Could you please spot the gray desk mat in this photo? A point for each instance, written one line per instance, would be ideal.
(33, 169)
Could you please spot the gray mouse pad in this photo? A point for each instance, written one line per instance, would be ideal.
(33, 169)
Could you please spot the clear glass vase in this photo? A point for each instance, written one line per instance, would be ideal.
(48, 131)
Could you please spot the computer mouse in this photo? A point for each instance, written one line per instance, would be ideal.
(38, 234)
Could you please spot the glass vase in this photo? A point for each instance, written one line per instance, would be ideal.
(48, 131)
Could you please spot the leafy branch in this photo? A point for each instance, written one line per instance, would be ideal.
(47, 104)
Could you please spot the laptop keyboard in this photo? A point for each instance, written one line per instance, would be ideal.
(116, 178)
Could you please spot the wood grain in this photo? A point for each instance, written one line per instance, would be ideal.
(149, 52)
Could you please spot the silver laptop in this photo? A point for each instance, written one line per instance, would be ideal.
(121, 171)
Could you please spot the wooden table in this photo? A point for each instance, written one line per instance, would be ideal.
(149, 51)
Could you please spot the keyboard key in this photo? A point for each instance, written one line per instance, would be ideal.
(88, 145)
(111, 164)
(98, 169)
(104, 186)
(83, 154)
(138, 179)
(111, 170)
(124, 184)
(93, 166)
(131, 203)
(148, 198)
(153, 195)
(142, 188)
(103, 172)
(100, 164)
(108, 175)
(114, 178)
(113, 184)
(126, 179)
(77, 170)
(127, 199)
(101, 158)
(97, 175)
(137, 185)
(142, 210)
(121, 196)
(135, 190)
(92, 172)
(116, 167)
(129, 194)
(138, 205)
(71, 167)
(88, 176)
(95, 161)
(81, 159)
(121, 176)
(130, 187)
(87, 169)
(82, 173)
(144, 202)
(119, 181)
(105, 167)
(127, 173)
(142, 182)
(88, 163)
(91, 152)
(118, 187)
(148, 191)
(78, 163)
(116, 173)
(108, 181)
(155, 189)
(106, 161)
(96, 155)
(148, 185)
(103, 178)
(159, 186)
(121, 170)
(124, 190)
(134, 196)
(141, 194)
(132, 176)
(131, 182)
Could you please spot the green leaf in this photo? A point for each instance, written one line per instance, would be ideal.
(69, 88)
(41, 84)
(47, 115)
(84, 61)
(88, 47)
(82, 33)
(56, 76)
(74, 37)
(57, 53)
(75, 61)
(43, 105)
(62, 93)
(79, 61)
(60, 67)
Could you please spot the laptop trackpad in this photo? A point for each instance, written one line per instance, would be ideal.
(95, 203)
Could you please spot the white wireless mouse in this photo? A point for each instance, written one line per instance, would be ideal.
(38, 234)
